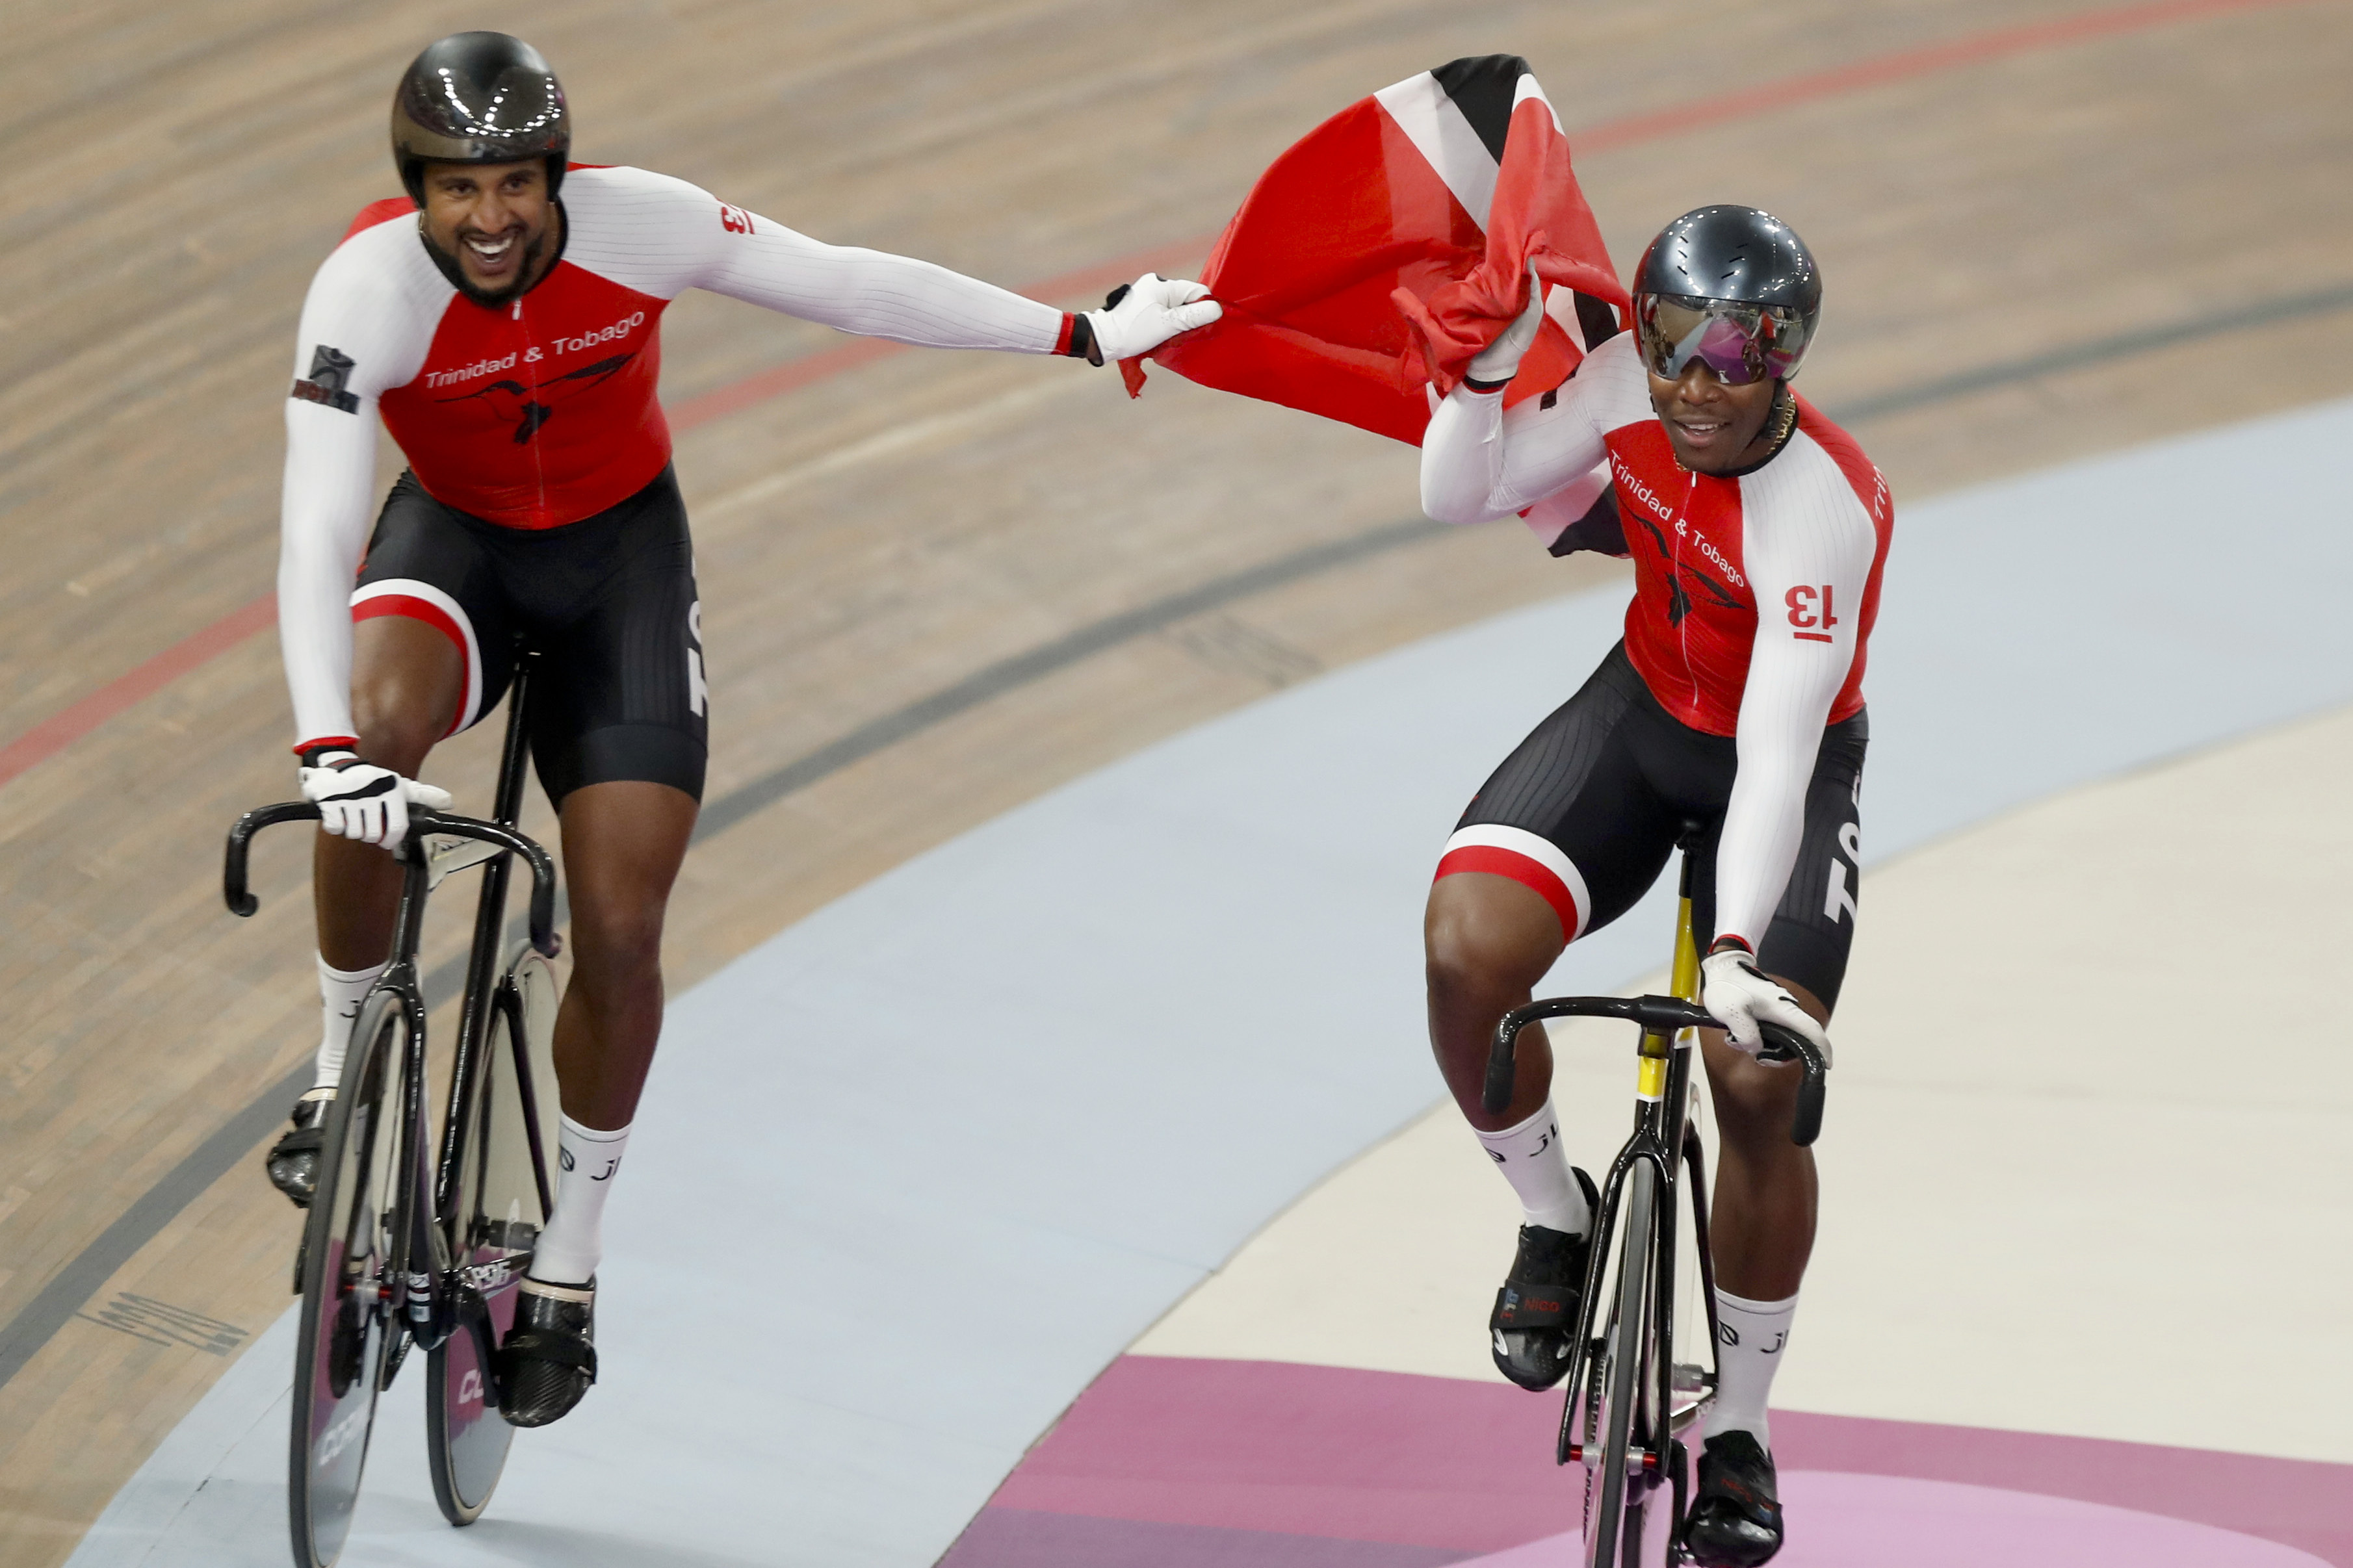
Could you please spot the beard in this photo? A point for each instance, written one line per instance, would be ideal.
(454, 269)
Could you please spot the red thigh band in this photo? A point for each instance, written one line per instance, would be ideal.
(1526, 859)
(423, 602)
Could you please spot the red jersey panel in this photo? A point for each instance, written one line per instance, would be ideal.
(1692, 624)
(540, 411)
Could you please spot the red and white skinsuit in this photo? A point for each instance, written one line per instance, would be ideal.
(543, 411)
(1754, 597)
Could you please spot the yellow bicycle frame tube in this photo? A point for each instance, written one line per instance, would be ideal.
(1659, 1049)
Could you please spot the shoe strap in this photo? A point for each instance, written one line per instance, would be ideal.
(297, 1141)
(322, 1091)
(549, 1350)
(1550, 1307)
(586, 1295)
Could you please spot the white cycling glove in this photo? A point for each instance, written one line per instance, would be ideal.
(1732, 987)
(1141, 316)
(1500, 361)
(360, 800)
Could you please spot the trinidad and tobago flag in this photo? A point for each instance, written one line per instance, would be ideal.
(1377, 257)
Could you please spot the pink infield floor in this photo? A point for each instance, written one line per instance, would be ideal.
(1182, 1463)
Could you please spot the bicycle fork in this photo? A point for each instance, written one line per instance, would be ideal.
(1664, 1142)
(417, 1300)
(1642, 1149)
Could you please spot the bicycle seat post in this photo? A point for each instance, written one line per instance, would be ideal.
(1687, 842)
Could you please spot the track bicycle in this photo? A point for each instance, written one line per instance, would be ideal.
(395, 1255)
(1629, 1402)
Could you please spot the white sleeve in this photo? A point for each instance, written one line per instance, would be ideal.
(876, 294)
(1808, 546)
(665, 236)
(1479, 462)
(357, 338)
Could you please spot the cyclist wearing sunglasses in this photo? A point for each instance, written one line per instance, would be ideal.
(1735, 703)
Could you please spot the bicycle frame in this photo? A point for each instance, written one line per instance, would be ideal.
(483, 990)
(431, 1287)
(437, 1294)
(426, 1232)
(1664, 1142)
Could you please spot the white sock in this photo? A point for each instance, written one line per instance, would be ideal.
(341, 991)
(1750, 1336)
(573, 1242)
(1530, 1159)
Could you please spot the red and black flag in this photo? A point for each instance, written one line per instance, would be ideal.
(1377, 257)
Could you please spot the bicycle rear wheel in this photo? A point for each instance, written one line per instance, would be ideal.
(348, 1299)
(1616, 1499)
(499, 1211)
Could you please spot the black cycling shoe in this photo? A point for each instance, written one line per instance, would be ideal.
(1735, 1521)
(1536, 1311)
(549, 1359)
(293, 1161)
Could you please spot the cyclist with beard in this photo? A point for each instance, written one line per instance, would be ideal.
(1758, 530)
(501, 321)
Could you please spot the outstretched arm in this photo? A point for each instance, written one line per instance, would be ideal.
(877, 294)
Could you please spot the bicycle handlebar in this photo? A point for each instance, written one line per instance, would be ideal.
(421, 821)
(1663, 1015)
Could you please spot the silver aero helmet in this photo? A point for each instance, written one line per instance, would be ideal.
(478, 97)
(1731, 288)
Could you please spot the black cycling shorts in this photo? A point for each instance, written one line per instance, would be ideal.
(1588, 807)
(608, 602)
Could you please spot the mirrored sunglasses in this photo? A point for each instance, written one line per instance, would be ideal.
(1741, 343)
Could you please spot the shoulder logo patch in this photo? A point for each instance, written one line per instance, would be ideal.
(330, 371)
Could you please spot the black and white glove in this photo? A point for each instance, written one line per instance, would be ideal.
(1732, 987)
(1139, 316)
(360, 800)
(1500, 361)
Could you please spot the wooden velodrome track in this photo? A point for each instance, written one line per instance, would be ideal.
(935, 585)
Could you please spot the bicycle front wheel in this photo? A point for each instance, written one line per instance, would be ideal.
(1617, 1494)
(501, 1182)
(348, 1296)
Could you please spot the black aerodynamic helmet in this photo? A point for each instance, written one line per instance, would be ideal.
(478, 97)
(1731, 287)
